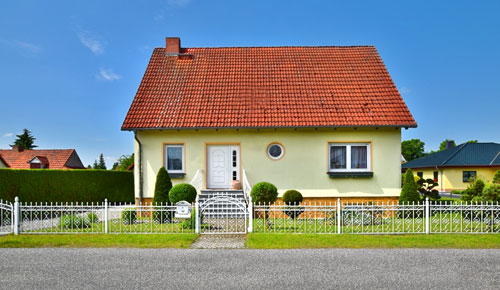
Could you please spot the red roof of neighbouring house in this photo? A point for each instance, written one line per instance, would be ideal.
(57, 158)
(255, 87)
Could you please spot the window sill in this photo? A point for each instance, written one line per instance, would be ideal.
(366, 174)
(177, 175)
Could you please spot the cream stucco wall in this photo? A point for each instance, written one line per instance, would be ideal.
(303, 167)
(451, 178)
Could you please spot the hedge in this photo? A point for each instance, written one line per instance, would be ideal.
(75, 185)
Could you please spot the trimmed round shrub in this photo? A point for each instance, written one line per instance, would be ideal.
(182, 191)
(92, 217)
(264, 192)
(71, 221)
(409, 191)
(129, 216)
(292, 197)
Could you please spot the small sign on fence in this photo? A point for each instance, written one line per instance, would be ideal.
(182, 210)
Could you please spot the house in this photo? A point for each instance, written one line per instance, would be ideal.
(456, 167)
(323, 120)
(21, 158)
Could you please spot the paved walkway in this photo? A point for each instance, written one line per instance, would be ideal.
(219, 242)
(249, 269)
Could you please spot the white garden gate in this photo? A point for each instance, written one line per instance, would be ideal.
(6, 218)
(223, 215)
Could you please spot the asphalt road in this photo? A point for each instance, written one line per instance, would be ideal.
(248, 269)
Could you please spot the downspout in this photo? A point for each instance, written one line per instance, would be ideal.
(140, 166)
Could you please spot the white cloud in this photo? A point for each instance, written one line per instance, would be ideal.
(8, 134)
(25, 47)
(91, 42)
(180, 3)
(107, 75)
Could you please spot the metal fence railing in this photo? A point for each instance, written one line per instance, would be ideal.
(308, 217)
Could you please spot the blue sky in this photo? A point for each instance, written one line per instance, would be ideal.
(69, 69)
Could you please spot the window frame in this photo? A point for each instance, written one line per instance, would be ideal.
(469, 180)
(183, 157)
(283, 151)
(348, 146)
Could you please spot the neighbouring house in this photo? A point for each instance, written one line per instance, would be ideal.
(456, 167)
(323, 120)
(20, 158)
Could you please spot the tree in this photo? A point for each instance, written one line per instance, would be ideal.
(163, 185)
(442, 146)
(472, 141)
(124, 162)
(412, 149)
(26, 139)
(426, 187)
(100, 164)
(496, 178)
(409, 191)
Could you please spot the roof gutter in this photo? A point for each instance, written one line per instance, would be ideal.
(272, 127)
(139, 167)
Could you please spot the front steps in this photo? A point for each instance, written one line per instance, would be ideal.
(222, 210)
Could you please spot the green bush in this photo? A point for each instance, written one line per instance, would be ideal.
(75, 185)
(129, 216)
(490, 193)
(264, 192)
(182, 191)
(473, 191)
(191, 222)
(71, 221)
(92, 217)
(163, 185)
(292, 197)
(457, 192)
(496, 178)
(409, 191)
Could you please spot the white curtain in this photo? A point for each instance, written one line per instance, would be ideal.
(338, 157)
(359, 157)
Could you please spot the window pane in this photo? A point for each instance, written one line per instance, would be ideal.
(469, 176)
(174, 158)
(359, 159)
(338, 157)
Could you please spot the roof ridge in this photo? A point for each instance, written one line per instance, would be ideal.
(495, 158)
(279, 46)
(454, 154)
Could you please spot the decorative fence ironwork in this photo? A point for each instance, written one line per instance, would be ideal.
(227, 216)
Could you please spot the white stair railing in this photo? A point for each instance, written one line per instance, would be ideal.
(197, 180)
(246, 186)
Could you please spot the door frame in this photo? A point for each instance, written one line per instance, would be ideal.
(206, 157)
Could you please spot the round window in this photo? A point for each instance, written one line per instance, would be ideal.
(275, 151)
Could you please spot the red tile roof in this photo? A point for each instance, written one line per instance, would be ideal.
(57, 158)
(240, 87)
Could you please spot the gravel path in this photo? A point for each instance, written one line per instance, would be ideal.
(249, 269)
(219, 242)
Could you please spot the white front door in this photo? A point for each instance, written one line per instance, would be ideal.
(223, 165)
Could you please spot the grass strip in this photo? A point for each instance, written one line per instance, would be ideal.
(311, 241)
(98, 241)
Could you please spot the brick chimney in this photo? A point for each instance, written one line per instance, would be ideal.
(173, 45)
(18, 148)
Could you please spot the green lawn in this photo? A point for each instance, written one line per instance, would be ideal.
(98, 241)
(305, 241)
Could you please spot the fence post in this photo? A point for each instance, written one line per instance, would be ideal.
(105, 215)
(250, 214)
(197, 227)
(427, 216)
(338, 216)
(16, 216)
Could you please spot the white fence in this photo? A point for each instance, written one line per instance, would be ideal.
(318, 218)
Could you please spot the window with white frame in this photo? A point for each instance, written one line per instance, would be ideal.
(174, 158)
(345, 157)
